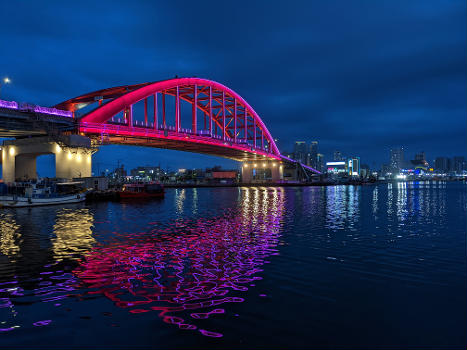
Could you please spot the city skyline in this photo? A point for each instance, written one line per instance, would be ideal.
(164, 159)
(303, 151)
(412, 92)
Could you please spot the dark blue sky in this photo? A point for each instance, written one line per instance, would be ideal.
(358, 76)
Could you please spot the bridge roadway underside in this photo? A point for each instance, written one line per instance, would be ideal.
(188, 143)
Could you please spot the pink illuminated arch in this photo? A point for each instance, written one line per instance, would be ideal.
(121, 98)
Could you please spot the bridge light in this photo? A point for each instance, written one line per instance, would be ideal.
(57, 148)
(89, 159)
(78, 157)
(69, 155)
(12, 151)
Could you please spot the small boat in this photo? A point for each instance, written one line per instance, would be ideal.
(142, 191)
(37, 194)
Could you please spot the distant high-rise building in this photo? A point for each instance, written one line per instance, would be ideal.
(308, 159)
(314, 154)
(338, 156)
(442, 164)
(353, 166)
(396, 160)
(420, 156)
(320, 162)
(459, 165)
(300, 151)
(364, 170)
(386, 169)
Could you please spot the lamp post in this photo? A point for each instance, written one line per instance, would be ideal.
(4, 81)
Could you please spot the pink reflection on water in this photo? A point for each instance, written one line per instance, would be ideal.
(189, 265)
(210, 334)
(201, 315)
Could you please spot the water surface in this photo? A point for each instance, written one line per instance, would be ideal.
(311, 267)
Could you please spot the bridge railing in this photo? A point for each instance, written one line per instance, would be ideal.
(167, 130)
(29, 107)
(8, 104)
(293, 161)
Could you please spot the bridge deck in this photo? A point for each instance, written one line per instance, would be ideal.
(148, 137)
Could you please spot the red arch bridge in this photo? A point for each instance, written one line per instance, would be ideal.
(188, 114)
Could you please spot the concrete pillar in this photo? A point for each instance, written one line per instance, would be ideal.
(262, 171)
(72, 163)
(25, 166)
(19, 157)
(8, 163)
(277, 172)
(246, 172)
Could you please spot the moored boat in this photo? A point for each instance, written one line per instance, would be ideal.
(141, 191)
(37, 194)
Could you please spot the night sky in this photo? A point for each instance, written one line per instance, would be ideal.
(357, 76)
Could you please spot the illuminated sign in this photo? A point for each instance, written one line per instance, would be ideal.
(335, 163)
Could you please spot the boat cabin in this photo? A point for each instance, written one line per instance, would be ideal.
(143, 188)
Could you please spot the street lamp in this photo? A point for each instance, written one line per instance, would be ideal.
(5, 80)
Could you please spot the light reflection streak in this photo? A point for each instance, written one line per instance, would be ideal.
(194, 209)
(180, 196)
(440, 201)
(375, 200)
(424, 200)
(401, 203)
(10, 235)
(390, 200)
(73, 233)
(342, 206)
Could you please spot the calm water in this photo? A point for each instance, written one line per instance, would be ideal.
(327, 267)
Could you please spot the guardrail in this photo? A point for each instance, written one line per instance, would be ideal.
(8, 104)
(28, 107)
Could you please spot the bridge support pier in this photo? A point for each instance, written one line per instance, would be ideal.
(262, 171)
(72, 157)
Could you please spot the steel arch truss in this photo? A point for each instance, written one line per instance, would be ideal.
(222, 122)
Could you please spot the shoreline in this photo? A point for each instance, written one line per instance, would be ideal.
(289, 184)
(111, 194)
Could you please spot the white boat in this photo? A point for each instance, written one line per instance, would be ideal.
(16, 201)
(33, 195)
